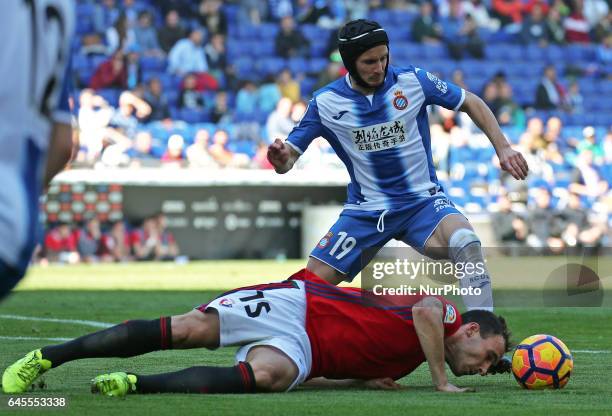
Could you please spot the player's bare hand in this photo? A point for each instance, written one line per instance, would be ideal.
(278, 155)
(450, 388)
(513, 162)
(386, 383)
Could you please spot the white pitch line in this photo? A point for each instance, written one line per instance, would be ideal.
(593, 351)
(94, 324)
(35, 338)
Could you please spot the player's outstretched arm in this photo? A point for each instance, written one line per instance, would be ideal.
(427, 318)
(386, 383)
(510, 160)
(60, 150)
(282, 156)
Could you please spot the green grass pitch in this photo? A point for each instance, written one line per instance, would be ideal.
(120, 292)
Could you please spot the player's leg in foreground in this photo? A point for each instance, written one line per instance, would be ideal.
(455, 239)
(266, 369)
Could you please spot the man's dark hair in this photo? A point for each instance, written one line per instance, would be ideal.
(490, 324)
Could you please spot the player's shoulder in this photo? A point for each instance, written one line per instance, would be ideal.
(337, 88)
(410, 72)
(402, 70)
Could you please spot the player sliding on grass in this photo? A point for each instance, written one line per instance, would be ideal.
(375, 118)
(302, 330)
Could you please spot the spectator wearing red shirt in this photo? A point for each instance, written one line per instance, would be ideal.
(61, 245)
(576, 26)
(111, 73)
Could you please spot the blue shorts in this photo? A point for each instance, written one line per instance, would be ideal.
(355, 231)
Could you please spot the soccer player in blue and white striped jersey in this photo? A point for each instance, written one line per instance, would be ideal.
(35, 137)
(375, 119)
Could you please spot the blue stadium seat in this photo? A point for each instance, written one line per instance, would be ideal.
(382, 16)
(315, 33)
(437, 66)
(152, 63)
(258, 49)
(111, 95)
(554, 53)
(399, 34)
(267, 31)
(85, 75)
(243, 146)
(231, 12)
(84, 25)
(435, 52)
(272, 65)
(297, 65)
(245, 67)
(193, 116)
(473, 68)
(80, 62)
(172, 97)
(307, 86)
(317, 65)
(318, 49)
(246, 31)
(402, 18)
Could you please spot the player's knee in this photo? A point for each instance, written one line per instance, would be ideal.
(195, 329)
(270, 378)
(325, 271)
(461, 239)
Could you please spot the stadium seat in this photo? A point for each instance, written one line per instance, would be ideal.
(317, 65)
(84, 26)
(435, 52)
(111, 95)
(315, 33)
(297, 65)
(152, 63)
(267, 31)
(473, 68)
(318, 49)
(271, 65)
(554, 53)
(307, 86)
(192, 116)
(382, 16)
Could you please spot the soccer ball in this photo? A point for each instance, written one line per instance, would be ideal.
(542, 361)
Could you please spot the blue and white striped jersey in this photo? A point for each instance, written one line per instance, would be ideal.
(36, 37)
(384, 139)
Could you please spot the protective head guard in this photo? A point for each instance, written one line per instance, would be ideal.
(356, 37)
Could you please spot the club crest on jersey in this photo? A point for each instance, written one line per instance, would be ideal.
(440, 85)
(226, 302)
(325, 240)
(400, 102)
(451, 315)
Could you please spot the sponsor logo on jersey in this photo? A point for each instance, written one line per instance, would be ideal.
(226, 302)
(442, 203)
(441, 85)
(379, 136)
(339, 115)
(400, 102)
(325, 240)
(451, 315)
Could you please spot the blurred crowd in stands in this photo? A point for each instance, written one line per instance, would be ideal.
(209, 84)
(93, 242)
